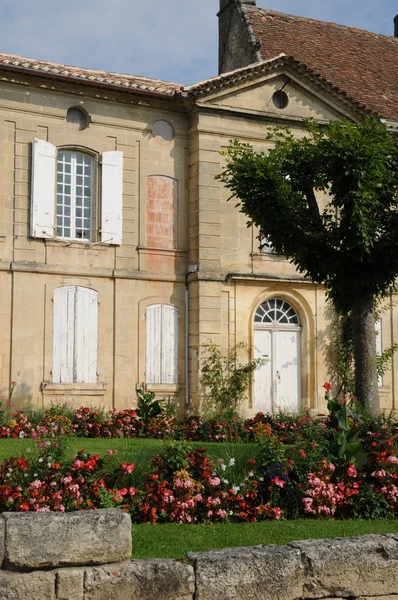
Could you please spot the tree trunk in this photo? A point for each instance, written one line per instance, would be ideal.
(365, 357)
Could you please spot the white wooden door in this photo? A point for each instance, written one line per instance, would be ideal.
(287, 371)
(263, 392)
(277, 383)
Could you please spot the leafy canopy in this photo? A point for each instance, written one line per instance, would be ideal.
(350, 245)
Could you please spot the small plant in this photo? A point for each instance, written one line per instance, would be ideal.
(147, 406)
(348, 448)
(225, 379)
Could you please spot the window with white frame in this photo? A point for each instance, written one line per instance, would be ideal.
(64, 199)
(161, 344)
(75, 183)
(75, 335)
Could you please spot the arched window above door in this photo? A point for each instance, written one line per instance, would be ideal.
(276, 311)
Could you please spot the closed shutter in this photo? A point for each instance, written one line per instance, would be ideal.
(379, 346)
(169, 344)
(153, 343)
(162, 344)
(75, 335)
(42, 218)
(112, 198)
(64, 334)
(86, 335)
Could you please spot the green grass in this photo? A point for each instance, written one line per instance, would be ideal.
(174, 541)
(139, 448)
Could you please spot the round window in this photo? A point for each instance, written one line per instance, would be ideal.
(77, 118)
(280, 99)
(162, 131)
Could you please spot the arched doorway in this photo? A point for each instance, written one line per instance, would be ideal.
(277, 331)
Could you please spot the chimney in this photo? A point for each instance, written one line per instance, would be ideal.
(396, 26)
(234, 51)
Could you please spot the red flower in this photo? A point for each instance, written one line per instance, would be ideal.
(327, 386)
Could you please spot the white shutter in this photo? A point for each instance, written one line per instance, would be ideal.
(379, 345)
(169, 344)
(42, 218)
(161, 344)
(86, 335)
(153, 343)
(112, 198)
(63, 334)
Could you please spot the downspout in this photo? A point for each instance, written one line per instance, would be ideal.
(186, 341)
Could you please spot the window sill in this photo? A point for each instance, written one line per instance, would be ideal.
(56, 243)
(73, 389)
(164, 251)
(163, 388)
(268, 256)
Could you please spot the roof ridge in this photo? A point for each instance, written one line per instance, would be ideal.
(269, 11)
(15, 59)
(227, 74)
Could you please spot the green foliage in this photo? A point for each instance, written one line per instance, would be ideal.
(347, 446)
(225, 379)
(351, 245)
(147, 406)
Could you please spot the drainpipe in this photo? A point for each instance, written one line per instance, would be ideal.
(186, 341)
(191, 269)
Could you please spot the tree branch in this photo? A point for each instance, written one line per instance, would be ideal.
(312, 204)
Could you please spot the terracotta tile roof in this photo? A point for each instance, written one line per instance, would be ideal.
(244, 74)
(362, 64)
(88, 76)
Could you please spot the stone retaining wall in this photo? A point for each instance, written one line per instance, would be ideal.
(86, 556)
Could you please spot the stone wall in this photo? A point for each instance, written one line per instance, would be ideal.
(86, 556)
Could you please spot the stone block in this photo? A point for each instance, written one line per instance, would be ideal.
(357, 566)
(2, 540)
(140, 580)
(27, 586)
(37, 540)
(260, 573)
(69, 584)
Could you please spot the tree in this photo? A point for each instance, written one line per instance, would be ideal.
(351, 245)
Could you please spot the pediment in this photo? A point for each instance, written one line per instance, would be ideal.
(256, 97)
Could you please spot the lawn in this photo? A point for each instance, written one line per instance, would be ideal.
(174, 541)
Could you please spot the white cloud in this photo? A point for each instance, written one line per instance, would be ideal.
(169, 39)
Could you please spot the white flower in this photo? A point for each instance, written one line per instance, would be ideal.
(223, 467)
(261, 478)
(250, 474)
(35, 474)
(231, 512)
(40, 460)
(231, 462)
(225, 481)
(28, 450)
(21, 434)
(235, 489)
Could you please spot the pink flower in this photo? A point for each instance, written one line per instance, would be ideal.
(279, 482)
(352, 472)
(129, 468)
(214, 481)
(393, 460)
(302, 454)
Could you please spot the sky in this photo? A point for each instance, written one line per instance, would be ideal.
(175, 40)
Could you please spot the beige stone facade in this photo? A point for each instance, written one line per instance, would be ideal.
(183, 245)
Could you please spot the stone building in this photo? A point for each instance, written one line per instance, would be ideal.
(120, 253)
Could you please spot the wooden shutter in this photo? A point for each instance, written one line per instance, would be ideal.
(153, 343)
(86, 335)
(112, 198)
(169, 373)
(64, 334)
(379, 346)
(42, 219)
(162, 344)
(75, 335)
